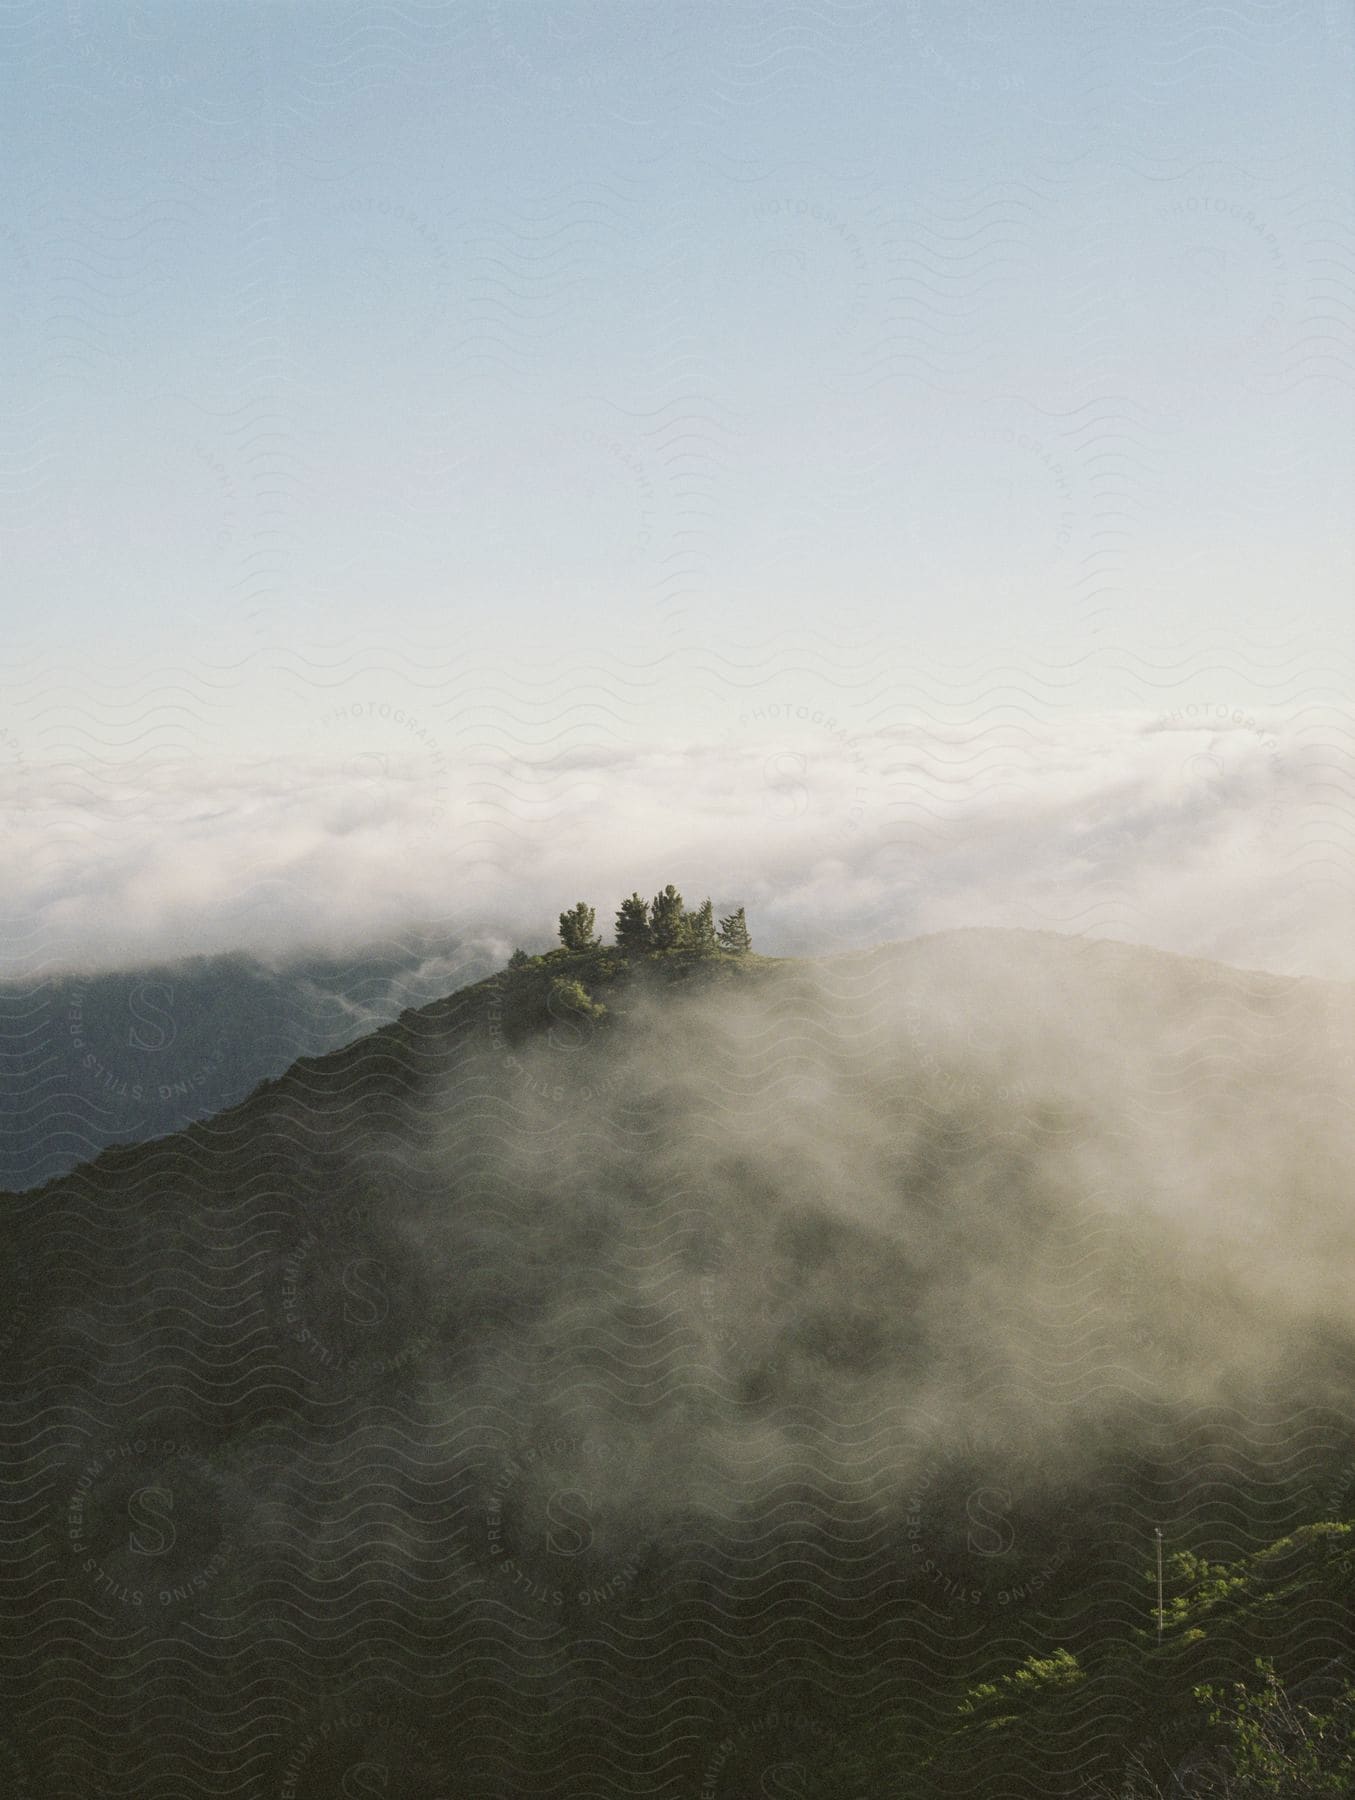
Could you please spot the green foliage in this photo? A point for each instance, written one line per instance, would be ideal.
(698, 928)
(576, 928)
(1267, 1744)
(1238, 1739)
(1059, 1670)
(734, 933)
(571, 999)
(1275, 1747)
(660, 924)
(632, 925)
(1192, 1584)
(519, 960)
(666, 918)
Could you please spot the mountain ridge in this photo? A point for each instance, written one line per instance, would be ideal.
(466, 1007)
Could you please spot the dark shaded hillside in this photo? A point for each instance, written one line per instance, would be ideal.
(663, 1390)
(87, 1061)
(1143, 1712)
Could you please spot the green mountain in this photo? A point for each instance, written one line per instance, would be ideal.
(695, 1373)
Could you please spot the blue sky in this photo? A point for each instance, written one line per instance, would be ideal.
(894, 343)
(843, 255)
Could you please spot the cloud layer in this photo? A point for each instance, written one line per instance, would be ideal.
(1211, 832)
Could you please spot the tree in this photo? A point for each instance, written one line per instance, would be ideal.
(1279, 1747)
(519, 960)
(666, 919)
(632, 924)
(1264, 1745)
(734, 933)
(699, 927)
(576, 928)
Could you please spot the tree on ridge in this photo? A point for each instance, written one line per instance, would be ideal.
(632, 924)
(666, 919)
(734, 933)
(699, 933)
(576, 928)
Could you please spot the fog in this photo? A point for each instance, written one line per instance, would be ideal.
(1209, 830)
(807, 1330)
(1009, 1199)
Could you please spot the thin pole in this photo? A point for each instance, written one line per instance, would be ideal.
(1158, 1532)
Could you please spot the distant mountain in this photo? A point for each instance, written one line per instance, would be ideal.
(687, 1375)
(88, 1061)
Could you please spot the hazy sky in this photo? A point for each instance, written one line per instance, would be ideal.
(585, 377)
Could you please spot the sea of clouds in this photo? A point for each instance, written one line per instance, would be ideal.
(1208, 831)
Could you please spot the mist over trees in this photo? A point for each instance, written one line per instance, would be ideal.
(779, 1383)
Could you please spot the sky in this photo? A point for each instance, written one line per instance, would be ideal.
(437, 436)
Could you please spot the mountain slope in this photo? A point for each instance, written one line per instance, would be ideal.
(639, 1386)
(90, 1060)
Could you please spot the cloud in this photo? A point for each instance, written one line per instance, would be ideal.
(1221, 837)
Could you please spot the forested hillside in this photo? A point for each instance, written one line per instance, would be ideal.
(677, 1371)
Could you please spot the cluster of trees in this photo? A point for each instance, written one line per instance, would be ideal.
(663, 923)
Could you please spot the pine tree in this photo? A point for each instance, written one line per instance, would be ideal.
(519, 960)
(699, 928)
(632, 924)
(734, 933)
(576, 928)
(665, 919)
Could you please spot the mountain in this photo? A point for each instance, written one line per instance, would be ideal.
(685, 1374)
(88, 1060)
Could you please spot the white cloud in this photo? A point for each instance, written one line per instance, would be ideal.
(1228, 839)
